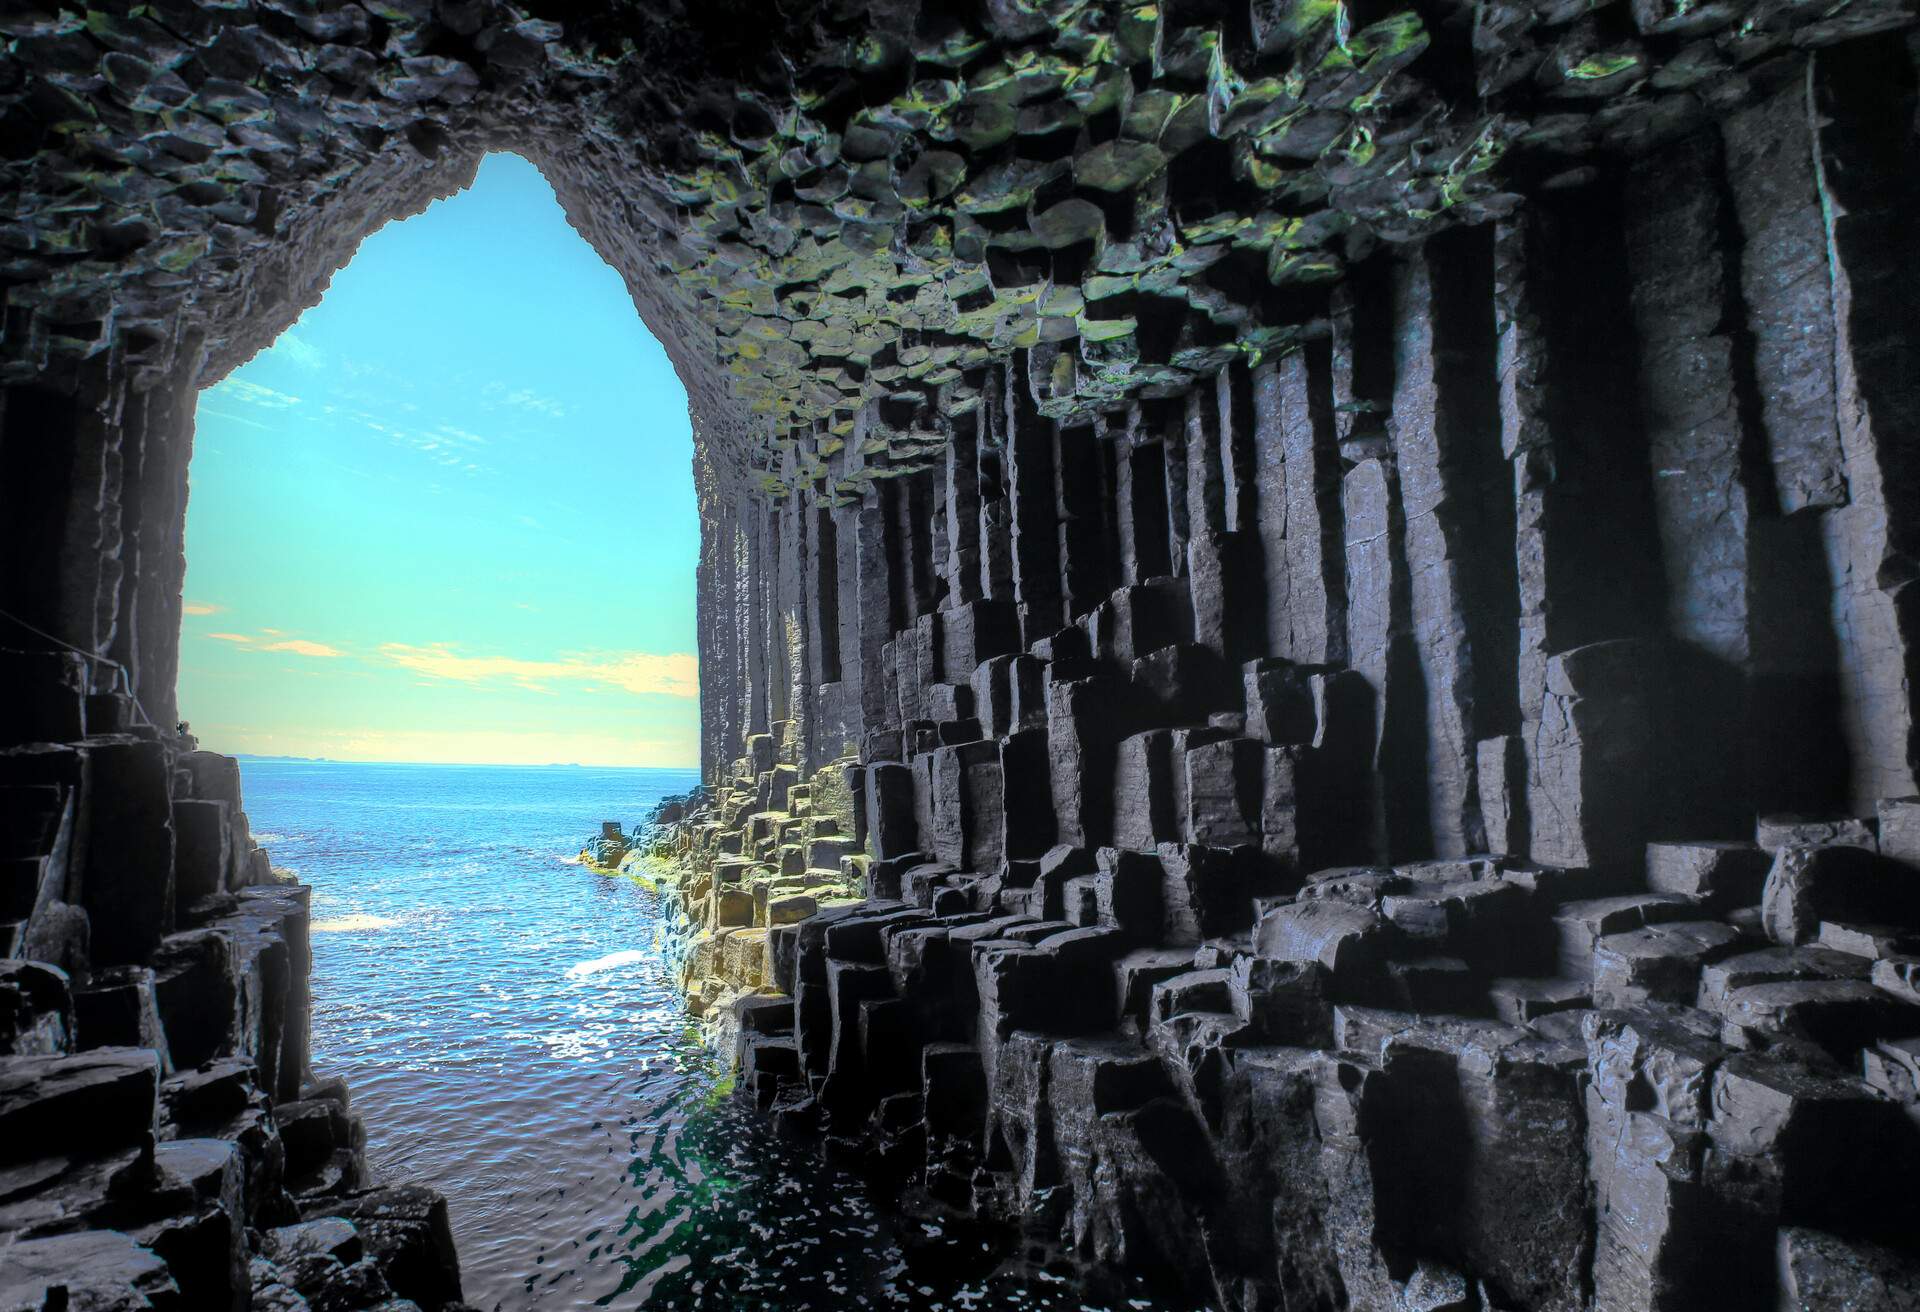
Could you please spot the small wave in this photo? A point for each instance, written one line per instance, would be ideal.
(573, 860)
(352, 924)
(612, 961)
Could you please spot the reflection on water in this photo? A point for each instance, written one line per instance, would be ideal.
(512, 1038)
(351, 924)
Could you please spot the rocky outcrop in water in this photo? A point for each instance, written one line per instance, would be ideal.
(608, 849)
(1363, 555)
(163, 1143)
(728, 906)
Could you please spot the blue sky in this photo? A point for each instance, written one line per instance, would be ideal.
(449, 515)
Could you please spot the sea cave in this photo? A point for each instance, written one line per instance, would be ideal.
(1307, 644)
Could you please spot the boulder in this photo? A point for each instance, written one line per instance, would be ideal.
(405, 1230)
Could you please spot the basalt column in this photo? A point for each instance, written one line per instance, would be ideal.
(1405, 818)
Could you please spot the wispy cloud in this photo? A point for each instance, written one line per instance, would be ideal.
(266, 398)
(301, 647)
(292, 646)
(200, 608)
(235, 419)
(377, 409)
(444, 444)
(675, 674)
(524, 398)
(303, 354)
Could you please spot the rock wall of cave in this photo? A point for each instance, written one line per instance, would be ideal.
(1316, 596)
(1420, 820)
(1418, 817)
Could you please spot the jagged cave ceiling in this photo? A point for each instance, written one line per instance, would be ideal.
(828, 204)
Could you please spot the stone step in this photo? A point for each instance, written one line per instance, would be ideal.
(1434, 985)
(1283, 1002)
(775, 1055)
(1194, 990)
(1725, 873)
(1774, 832)
(91, 1268)
(763, 1014)
(1842, 1016)
(119, 1008)
(1523, 1001)
(407, 1234)
(1579, 926)
(1874, 942)
(1892, 1066)
(77, 1104)
(1477, 919)
(1660, 963)
(1772, 965)
(1139, 972)
(1899, 976)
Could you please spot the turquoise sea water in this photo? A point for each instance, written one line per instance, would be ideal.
(512, 1037)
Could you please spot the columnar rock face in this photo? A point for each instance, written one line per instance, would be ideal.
(163, 1143)
(1346, 833)
(1348, 571)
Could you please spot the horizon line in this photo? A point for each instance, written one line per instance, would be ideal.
(479, 765)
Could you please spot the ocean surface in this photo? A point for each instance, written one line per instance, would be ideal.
(512, 1037)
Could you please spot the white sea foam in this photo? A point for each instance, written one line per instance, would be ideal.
(612, 961)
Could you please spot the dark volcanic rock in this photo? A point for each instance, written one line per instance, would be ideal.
(405, 1228)
(1809, 886)
(36, 1009)
(1818, 1270)
(85, 1103)
(95, 1268)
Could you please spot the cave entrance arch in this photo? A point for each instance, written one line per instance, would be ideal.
(103, 378)
(448, 516)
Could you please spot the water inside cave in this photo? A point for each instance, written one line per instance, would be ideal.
(513, 1037)
(446, 519)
